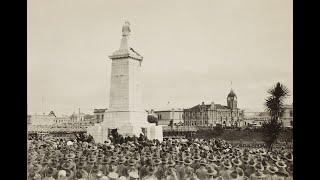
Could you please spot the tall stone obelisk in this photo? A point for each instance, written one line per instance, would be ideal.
(125, 113)
(125, 108)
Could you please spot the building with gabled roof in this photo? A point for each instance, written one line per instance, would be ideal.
(214, 114)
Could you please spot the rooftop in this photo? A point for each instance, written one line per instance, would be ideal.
(99, 110)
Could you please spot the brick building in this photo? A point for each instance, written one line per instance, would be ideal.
(214, 114)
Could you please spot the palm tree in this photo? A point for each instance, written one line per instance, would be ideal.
(274, 105)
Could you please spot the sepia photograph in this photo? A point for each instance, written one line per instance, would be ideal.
(160, 90)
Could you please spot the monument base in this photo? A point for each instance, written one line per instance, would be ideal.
(127, 123)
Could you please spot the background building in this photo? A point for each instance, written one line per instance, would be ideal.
(28, 119)
(214, 114)
(62, 119)
(77, 117)
(255, 119)
(287, 116)
(41, 119)
(166, 115)
(99, 114)
(258, 118)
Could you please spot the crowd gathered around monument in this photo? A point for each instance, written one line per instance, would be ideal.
(135, 158)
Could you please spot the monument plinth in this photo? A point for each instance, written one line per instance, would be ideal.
(125, 111)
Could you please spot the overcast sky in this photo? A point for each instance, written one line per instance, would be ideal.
(192, 51)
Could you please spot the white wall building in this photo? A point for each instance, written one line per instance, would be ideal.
(41, 119)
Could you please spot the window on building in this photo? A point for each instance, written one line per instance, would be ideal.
(291, 113)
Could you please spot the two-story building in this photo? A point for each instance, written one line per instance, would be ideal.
(167, 115)
(214, 114)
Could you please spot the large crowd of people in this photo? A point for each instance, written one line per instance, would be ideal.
(143, 159)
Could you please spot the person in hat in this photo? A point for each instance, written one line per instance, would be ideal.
(258, 175)
(150, 174)
(105, 165)
(67, 165)
(188, 171)
(132, 166)
(179, 167)
(160, 170)
(249, 170)
(211, 173)
(202, 171)
(196, 162)
(226, 169)
(81, 174)
(193, 176)
(288, 156)
(133, 175)
(69, 174)
(37, 177)
(49, 174)
(236, 162)
(45, 165)
(171, 173)
(233, 175)
(95, 170)
(272, 170)
(282, 173)
(290, 171)
(113, 176)
(122, 169)
(240, 173)
(62, 175)
(259, 167)
(100, 175)
(282, 169)
(144, 169)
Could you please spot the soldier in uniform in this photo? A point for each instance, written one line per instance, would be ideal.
(180, 168)
(157, 163)
(202, 171)
(122, 169)
(211, 173)
(188, 171)
(150, 174)
(171, 173)
(226, 171)
(144, 168)
(196, 162)
(105, 165)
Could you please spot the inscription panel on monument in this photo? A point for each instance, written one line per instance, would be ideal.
(119, 93)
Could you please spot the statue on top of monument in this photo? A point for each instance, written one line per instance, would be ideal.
(126, 29)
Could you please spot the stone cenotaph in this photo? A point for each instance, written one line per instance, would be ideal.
(125, 113)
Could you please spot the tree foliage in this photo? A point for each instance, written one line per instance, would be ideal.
(274, 105)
